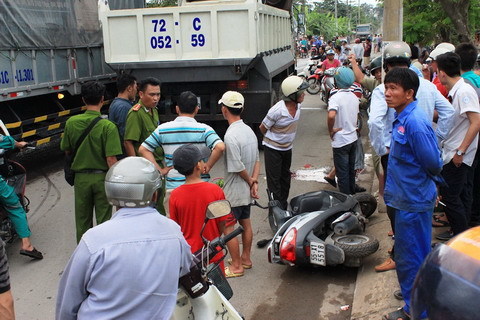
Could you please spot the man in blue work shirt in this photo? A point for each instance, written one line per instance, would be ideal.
(413, 167)
(397, 55)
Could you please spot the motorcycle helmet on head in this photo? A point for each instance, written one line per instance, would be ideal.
(396, 52)
(375, 64)
(131, 182)
(447, 285)
(293, 87)
(344, 77)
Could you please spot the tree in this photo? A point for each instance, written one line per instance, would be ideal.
(161, 3)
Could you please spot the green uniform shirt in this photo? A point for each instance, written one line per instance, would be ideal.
(102, 141)
(370, 83)
(139, 126)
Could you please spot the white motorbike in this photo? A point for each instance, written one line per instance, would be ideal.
(204, 292)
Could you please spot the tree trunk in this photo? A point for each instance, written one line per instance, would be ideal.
(457, 11)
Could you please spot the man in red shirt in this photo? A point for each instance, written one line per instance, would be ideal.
(188, 203)
(331, 62)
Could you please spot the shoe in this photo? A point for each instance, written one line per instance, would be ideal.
(332, 182)
(388, 264)
(230, 274)
(398, 294)
(359, 189)
(438, 222)
(396, 315)
(445, 236)
(34, 254)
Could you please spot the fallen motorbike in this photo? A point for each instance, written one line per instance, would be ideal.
(204, 292)
(309, 69)
(16, 176)
(322, 228)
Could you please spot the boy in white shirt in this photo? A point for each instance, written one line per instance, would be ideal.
(342, 126)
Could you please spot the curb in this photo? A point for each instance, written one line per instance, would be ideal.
(373, 294)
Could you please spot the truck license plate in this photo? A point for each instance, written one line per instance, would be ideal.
(317, 253)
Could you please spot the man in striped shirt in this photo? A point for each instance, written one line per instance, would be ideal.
(183, 130)
(279, 128)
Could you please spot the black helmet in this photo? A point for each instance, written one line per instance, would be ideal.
(397, 52)
(447, 285)
(375, 64)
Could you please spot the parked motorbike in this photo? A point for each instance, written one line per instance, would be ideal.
(308, 69)
(322, 228)
(204, 292)
(321, 81)
(303, 51)
(16, 176)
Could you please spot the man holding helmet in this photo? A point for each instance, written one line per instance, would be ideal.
(129, 266)
(279, 128)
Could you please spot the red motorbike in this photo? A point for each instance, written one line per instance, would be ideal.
(321, 81)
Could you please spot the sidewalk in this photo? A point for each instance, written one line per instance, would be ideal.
(373, 295)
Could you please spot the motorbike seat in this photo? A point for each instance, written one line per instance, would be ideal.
(309, 202)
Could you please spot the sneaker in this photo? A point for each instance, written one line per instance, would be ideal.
(388, 264)
(359, 189)
(445, 236)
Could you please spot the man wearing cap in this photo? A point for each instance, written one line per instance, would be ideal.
(188, 202)
(440, 49)
(330, 62)
(183, 130)
(242, 165)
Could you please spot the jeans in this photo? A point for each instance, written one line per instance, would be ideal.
(277, 169)
(344, 161)
(457, 195)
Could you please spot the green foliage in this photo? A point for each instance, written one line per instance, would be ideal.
(161, 3)
(425, 22)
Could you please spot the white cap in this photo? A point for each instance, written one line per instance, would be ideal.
(436, 52)
(232, 99)
(446, 45)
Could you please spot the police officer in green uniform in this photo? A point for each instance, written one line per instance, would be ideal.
(95, 155)
(142, 120)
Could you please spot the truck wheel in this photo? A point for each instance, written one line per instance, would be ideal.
(313, 86)
(272, 223)
(356, 245)
(367, 202)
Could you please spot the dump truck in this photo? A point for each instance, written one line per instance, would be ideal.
(207, 47)
(47, 50)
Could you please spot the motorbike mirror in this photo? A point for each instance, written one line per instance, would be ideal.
(218, 209)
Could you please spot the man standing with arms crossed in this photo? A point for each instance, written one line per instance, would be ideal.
(94, 156)
(183, 130)
(241, 182)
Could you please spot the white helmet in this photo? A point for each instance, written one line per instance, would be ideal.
(292, 87)
(131, 182)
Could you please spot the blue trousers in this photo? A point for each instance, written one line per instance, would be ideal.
(10, 200)
(413, 235)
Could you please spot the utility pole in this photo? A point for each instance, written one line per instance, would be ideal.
(392, 20)
(336, 18)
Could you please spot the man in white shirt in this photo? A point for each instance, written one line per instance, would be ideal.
(342, 125)
(460, 145)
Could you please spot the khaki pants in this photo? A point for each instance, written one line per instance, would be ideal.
(366, 61)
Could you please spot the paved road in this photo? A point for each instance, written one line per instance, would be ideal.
(271, 292)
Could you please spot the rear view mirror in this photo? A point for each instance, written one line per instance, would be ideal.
(218, 209)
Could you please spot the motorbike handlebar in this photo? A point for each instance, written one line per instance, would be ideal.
(230, 236)
(255, 203)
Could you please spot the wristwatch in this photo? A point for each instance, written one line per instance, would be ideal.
(460, 153)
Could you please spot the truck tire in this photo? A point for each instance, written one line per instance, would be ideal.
(313, 86)
(368, 203)
(356, 245)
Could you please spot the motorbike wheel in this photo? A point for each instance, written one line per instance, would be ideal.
(313, 86)
(356, 245)
(368, 203)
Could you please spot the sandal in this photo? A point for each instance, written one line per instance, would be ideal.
(437, 222)
(245, 266)
(399, 314)
(34, 254)
(230, 274)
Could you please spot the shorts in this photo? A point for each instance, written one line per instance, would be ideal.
(242, 212)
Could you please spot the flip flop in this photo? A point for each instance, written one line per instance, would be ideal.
(245, 266)
(230, 274)
(331, 181)
(34, 254)
(396, 315)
